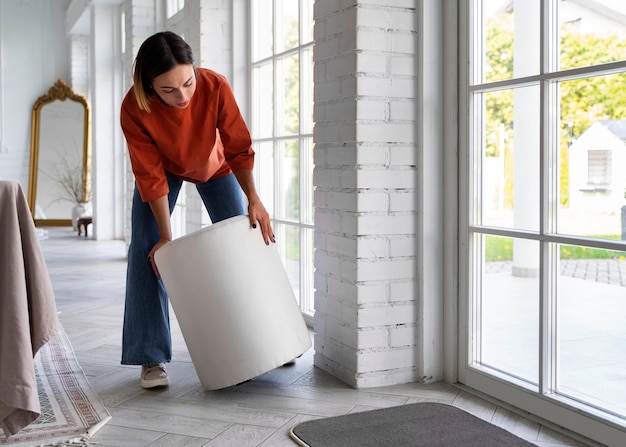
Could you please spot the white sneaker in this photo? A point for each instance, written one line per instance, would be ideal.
(154, 375)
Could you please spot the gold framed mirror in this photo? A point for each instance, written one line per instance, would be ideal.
(60, 156)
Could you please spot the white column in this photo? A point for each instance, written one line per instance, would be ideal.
(526, 138)
(107, 149)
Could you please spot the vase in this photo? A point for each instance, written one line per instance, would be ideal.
(81, 209)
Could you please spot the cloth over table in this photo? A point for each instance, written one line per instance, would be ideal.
(28, 315)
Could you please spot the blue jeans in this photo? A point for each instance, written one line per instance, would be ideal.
(146, 337)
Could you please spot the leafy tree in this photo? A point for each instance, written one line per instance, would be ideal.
(582, 102)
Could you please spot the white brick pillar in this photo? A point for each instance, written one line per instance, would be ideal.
(367, 303)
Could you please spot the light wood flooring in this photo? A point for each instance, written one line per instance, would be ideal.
(88, 277)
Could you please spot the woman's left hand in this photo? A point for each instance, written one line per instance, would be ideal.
(259, 216)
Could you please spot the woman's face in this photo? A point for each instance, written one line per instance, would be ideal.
(177, 86)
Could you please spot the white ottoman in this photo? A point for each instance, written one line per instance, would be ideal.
(233, 301)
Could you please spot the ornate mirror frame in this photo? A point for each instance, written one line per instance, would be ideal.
(60, 91)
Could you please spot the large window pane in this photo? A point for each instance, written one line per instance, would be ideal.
(263, 101)
(510, 159)
(593, 156)
(508, 308)
(262, 30)
(591, 332)
(506, 33)
(288, 85)
(288, 178)
(287, 32)
(590, 36)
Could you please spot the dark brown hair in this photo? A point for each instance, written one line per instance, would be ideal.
(158, 54)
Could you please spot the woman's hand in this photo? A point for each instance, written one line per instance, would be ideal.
(258, 214)
(158, 245)
(256, 210)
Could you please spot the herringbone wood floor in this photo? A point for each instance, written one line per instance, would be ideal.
(88, 277)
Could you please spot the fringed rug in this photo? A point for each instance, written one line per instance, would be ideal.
(71, 411)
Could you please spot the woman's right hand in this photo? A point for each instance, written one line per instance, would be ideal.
(150, 259)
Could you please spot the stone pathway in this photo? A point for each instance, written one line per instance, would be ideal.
(607, 271)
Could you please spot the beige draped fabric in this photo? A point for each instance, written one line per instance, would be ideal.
(28, 316)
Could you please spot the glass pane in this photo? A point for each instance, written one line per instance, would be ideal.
(589, 35)
(306, 86)
(288, 84)
(593, 156)
(262, 101)
(509, 306)
(288, 180)
(262, 30)
(306, 261)
(306, 183)
(306, 22)
(264, 173)
(510, 171)
(287, 32)
(288, 243)
(506, 34)
(591, 303)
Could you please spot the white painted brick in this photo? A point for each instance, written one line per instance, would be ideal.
(348, 87)
(378, 360)
(403, 246)
(326, 48)
(387, 377)
(386, 270)
(329, 90)
(327, 177)
(341, 66)
(372, 338)
(389, 315)
(402, 335)
(372, 292)
(400, 201)
(331, 221)
(402, 110)
(371, 63)
(403, 65)
(342, 156)
(403, 42)
(406, 4)
(371, 202)
(343, 334)
(403, 155)
(403, 291)
(344, 110)
(342, 245)
(386, 224)
(338, 352)
(372, 109)
(347, 290)
(327, 133)
(387, 178)
(396, 87)
(385, 132)
(345, 201)
(372, 247)
(368, 154)
(373, 40)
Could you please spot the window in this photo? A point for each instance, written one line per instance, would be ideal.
(537, 250)
(598, 167)
(282, 130)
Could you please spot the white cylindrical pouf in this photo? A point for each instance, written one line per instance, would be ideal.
(234, 303)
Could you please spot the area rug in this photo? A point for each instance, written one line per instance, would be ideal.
(425, 424)
(71, 411)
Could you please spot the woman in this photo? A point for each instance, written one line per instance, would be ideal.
(181, 123)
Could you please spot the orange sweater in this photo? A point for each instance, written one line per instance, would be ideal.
(207, 139)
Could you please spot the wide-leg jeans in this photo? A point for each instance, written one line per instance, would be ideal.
(146, 337)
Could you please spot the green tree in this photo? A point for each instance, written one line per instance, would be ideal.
(582, 101)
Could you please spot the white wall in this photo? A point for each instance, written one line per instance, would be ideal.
(33, 56)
